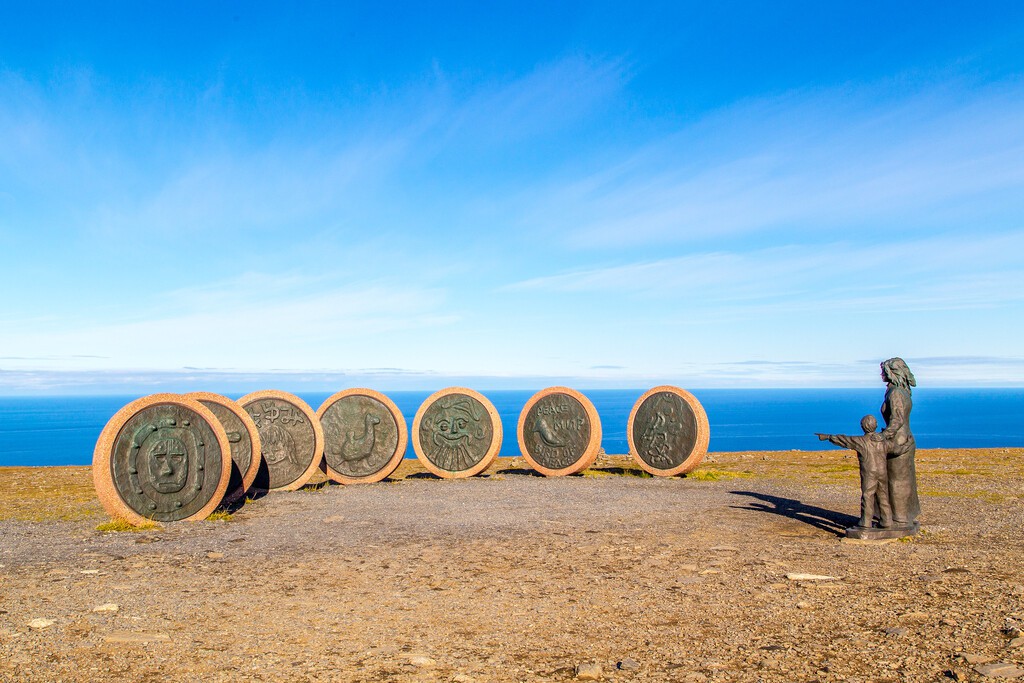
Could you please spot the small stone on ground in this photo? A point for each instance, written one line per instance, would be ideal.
(1000, 670)
(590, 671)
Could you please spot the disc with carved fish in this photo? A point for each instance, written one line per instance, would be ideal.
(243, 437)
(668, 431)
(163, 458)
(456, 433)
(364, 436)
(291, 439)
(559, 432)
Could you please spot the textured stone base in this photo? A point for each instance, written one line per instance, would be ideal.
(877, 534)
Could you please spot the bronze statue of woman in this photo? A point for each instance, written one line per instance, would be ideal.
(899, 441)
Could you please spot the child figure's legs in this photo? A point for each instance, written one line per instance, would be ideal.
(875, 499)
(867, 504)
(882, 496)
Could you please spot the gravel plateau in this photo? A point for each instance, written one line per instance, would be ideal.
(737, 572)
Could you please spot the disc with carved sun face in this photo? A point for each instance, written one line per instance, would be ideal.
(456, 433)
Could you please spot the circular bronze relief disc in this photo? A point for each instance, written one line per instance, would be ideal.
(162, 458)
(668, 431)
(244, 440)
(291, 439)
(559, 431)
(456, 433)
(364, 436)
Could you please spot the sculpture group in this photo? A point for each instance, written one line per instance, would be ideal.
(169, 457)
(888, 477)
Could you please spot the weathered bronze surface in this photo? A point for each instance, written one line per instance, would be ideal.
(664, 430)
(360, 436)
(166, 462)
(888, 474)
(455, 432)
(287, 438)
(556, 431)
(241, 448)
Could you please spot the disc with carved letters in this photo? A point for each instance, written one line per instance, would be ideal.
(164, 458)
(364, 436)
(559, 431)
(668, 431)
(456, 433)
(291, 439)
(243, 437)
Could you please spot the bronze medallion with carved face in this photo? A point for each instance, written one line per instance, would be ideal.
(559, 431)
(164, 458)
(668, 431)
(243, 437)
(364, 436)
(457, 433)
(291, 438)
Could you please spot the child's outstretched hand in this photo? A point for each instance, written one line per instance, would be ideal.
(822, 437)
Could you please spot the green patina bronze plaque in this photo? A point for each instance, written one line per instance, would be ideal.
(241, 448)
(456, 432)
(360, 436)
(664, 430)
(165, 462)
(287, 438)
(556, 432)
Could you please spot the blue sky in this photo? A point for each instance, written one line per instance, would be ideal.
(510, 194)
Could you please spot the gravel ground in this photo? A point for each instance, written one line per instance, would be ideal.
(515, 577)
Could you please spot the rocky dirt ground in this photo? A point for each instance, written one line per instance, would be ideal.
(514, 577)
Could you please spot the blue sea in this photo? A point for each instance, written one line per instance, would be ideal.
(63, 430)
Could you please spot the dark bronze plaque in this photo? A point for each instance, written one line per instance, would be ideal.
(241, 448)
(556, 432)
(166, 462)
(287, 439)
(360, 436)
(664, 430)
(455, 432)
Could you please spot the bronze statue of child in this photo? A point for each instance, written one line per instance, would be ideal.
(874, 479)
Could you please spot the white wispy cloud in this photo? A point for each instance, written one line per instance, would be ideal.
(927, 273)
(242, 325)
(815, 161)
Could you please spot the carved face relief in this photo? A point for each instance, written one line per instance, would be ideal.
(278, 444)
(456, 432)
(168, 465)
(166, 462)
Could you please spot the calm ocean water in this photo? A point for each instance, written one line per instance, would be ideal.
(63, 430)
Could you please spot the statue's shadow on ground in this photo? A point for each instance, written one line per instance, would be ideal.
(820, 518)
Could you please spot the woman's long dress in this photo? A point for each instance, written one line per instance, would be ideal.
(900, 458)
